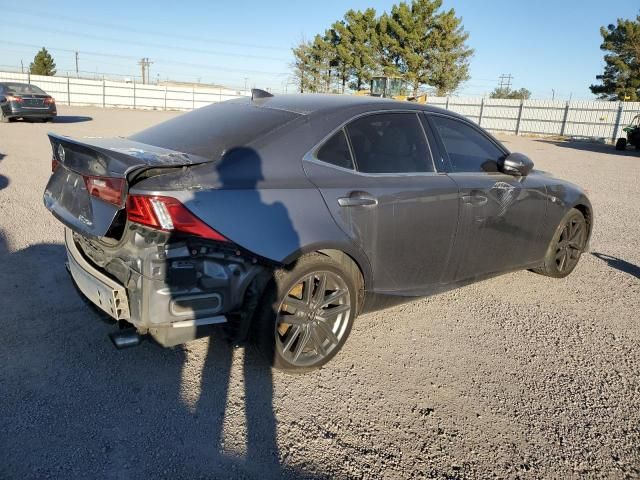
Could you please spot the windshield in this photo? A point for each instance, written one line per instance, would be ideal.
(378, 86)
(23, 89)
(396, 87)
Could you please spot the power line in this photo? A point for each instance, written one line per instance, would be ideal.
(146, 44)
(207, 66)
(76, 20)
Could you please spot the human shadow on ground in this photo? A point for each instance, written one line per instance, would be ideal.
(75, 407)
(4, 180)
(619, 264)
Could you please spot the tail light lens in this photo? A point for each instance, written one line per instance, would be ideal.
(106, 188)
(168, 214)
(13, 98)
(54, 164)
(49, 101)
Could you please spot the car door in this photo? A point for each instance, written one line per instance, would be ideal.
(378, 179)
(500, 215)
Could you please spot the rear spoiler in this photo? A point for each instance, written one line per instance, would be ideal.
(115, 157)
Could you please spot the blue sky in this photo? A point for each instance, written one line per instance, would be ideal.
(546, 45)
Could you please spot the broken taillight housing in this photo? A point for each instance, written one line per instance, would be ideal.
(168, 214)
(49, 101)
(108, 189)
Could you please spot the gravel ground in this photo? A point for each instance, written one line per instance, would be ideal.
(520, 376)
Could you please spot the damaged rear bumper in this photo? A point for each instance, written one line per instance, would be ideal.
(172, 291)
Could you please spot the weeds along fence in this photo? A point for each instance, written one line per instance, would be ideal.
(597, 120)
(107, 93)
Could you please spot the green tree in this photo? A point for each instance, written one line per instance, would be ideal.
(340, 39)
(43, 64)
(505, 92)
(621, 77)
(424, 46)
(301, 65)
(361, 27)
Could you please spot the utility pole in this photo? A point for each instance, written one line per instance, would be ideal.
(144, 64)
(77, 72)
(21, 66)
(553, 94)
(245, 84)
(505, 81)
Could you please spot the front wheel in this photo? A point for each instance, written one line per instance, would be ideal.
(621, 144)
(566, 246)
(307, 314)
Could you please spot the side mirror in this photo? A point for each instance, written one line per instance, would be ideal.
(516, 164)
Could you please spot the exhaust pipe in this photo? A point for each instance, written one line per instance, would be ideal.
(129, 337)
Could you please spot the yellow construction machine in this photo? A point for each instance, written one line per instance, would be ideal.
(391, 87)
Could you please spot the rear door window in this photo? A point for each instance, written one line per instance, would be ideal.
(389, 143)
(336, 151)
(468, 149)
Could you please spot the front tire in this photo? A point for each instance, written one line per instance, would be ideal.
(306, 314)
(621, 144)
(566, 246)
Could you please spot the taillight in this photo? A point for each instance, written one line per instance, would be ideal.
(54, 164)
(49, 101)
(167, 213)
(13, 98)
(106, 188)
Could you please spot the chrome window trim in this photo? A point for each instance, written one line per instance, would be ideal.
(310, 156)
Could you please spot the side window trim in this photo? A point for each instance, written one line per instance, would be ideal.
(416, 114)
(313, 154)
(310, 156)
(443, 151)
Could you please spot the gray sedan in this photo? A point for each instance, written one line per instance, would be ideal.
(284, 217)
(26, 101)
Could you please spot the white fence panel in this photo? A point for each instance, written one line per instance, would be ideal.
(107, 93)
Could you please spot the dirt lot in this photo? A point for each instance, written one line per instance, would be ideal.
(520, 376)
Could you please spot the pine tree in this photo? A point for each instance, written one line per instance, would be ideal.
(621, 77)
(43, 64)
(362, 32)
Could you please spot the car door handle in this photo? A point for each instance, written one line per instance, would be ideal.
(476, 199)
(356, 201)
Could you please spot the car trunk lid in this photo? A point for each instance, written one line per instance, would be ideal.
(90, 179)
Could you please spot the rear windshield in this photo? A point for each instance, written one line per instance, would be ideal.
(22, 89)
(210, 131)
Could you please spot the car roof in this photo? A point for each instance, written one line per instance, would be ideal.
(321, 104)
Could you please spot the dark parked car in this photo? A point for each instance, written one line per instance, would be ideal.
(23, 100)
(287, 216)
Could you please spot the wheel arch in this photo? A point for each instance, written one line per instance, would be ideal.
(587, 211)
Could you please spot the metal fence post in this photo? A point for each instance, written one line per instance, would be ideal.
(193, 98)
(564, 120)
(519, 117)
(618, 118)
(103, 93)
(68, 92)
(165, 97)
(481, 111)
(134, 94)
(447, 104)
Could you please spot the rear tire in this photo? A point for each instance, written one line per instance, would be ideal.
(306, 314)
(621, 144)
(566, 246)
(3, 118)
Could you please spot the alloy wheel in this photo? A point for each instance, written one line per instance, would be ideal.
(570, 244)
(313, 318)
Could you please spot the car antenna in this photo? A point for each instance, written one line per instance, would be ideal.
(256, 94)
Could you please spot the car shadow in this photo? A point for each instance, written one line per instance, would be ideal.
(618, 264)
(591, 146)
(71, 119)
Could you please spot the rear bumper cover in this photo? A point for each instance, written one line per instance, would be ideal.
(170, 296)
(16, 111)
